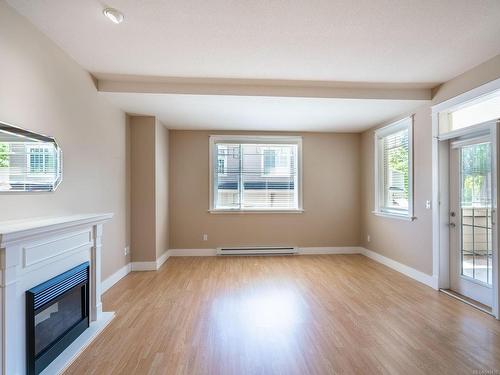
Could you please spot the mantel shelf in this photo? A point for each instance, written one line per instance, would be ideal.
(16, 230)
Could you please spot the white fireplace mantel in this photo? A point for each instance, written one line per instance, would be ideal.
(33, 251)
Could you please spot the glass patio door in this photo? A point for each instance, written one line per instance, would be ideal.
(471, 229)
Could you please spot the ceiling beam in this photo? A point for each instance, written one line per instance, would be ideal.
(278, 88)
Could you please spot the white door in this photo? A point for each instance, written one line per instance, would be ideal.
(471, 208)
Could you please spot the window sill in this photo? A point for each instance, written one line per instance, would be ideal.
(213, 211)
(393, 215)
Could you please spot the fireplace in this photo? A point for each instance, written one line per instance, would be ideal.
(57, 312)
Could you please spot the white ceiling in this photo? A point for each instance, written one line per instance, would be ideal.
(222, 112)
(414, 42)
(334, 40)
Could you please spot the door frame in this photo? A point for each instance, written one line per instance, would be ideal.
(460, 283)
(440, 187)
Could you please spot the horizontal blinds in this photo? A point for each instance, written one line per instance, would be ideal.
(256, 176)
(29, 165)
(396, 166)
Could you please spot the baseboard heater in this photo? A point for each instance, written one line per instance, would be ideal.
(259, 250)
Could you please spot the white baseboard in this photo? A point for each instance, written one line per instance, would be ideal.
(151, 265)
(192, 252)
(162, 259)
(419, 276)
(404, 269)
(114, 278)
(329, 250)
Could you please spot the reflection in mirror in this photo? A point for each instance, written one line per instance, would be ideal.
(28, 161)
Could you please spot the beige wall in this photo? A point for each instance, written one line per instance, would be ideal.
(149, 188)
(161, 187)
(44, 90)
(142, 188)
(481, 74)
(407, 242)
(331, 197)
(411, 242)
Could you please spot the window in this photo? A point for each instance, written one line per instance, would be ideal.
(251, 173)
(393, 170)
(41, 159)
(28, 161)
(482, 109)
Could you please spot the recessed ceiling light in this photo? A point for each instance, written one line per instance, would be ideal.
(114, 15)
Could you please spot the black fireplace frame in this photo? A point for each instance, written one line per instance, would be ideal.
(45, 294)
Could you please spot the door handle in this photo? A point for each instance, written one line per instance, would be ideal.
(452, 225)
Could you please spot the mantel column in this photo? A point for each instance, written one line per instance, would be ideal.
(95, 273)
(9, 314)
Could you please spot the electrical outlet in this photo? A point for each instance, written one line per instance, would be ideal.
(205, 237)
(126, 251)
(368, 238)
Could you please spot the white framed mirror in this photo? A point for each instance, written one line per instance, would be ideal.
(29, 162)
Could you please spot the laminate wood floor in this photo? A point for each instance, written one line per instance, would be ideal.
(323, 314)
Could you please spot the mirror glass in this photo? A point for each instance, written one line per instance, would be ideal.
(28, 161)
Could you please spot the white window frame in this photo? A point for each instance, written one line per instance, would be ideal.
(264, 139)
(380, 134)
(30, 151)
(224, 159)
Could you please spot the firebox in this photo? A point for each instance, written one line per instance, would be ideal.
(57, 312)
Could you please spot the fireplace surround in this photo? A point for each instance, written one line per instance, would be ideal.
(33, 252)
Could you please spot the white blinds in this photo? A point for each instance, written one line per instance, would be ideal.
(28, 164)
(395, 153)
(255, 176)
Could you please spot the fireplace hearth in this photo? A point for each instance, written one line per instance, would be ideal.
(57, 312)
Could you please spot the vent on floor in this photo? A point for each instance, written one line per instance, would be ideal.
(260, 250)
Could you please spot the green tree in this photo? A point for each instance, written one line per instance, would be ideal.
(398, 161)
(4, 155)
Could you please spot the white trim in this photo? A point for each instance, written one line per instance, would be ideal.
(261, 139)
(162, 259)
(440, 164)
(379, 134)
(15, 231)
(469, 131)
(236, 211)
(392, 215)
(468, 96)
(419, 276)
(133, 267)
(114, 278)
